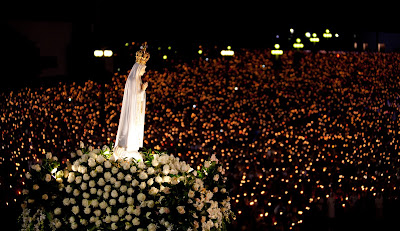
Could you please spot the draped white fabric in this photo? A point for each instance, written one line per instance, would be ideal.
(131, 123)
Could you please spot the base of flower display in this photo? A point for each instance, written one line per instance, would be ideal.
(122, 153)
(95, 191)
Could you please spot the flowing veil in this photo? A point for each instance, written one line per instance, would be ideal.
(131, 122)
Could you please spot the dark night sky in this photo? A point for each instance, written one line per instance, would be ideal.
(206, 20)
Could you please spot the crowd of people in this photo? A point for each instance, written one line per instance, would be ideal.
(305, 140)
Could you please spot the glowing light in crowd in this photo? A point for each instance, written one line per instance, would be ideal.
(227, 52)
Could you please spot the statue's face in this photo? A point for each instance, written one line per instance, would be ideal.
(142, 71)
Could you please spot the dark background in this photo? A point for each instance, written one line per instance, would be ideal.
(45, 42)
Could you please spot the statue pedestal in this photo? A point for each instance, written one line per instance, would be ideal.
(121, 153)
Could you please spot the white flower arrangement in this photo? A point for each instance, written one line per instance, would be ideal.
(95, 192)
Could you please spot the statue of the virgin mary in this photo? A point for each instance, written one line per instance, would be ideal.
(131, 123)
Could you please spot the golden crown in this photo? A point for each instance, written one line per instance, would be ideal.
(141, 55)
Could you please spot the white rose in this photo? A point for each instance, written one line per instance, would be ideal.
(57, 223)
(154, 162)
(114, 218)
(130, 209)
(106, 195)
(100, 159)
(141, 197)
(143, 176)
(71, 177)
(76, 192)
(130, 191)
(135, 183)
(66, 201)
(166, 210)
(92, 183)
(128, 218)
(107, 219)
(164, 159)
(91, 162)
(151, 227)
(98, 223)
(137, 211)
(128, 177)
(45, 197)
(75, 209)
(153, 191)
(133, 169)
(135, 221)
(166, 190)
(97, 212)
(103, 205)
(122, 199)
(107, 176)
(107, 188)
(150, 171)
(99, 169)
(159, 179)
(120, 176)
(86, 177)
(142, 185)
(79, 152)
(48, 155)
(83, 186)
(28, 175)
(117, 184)
(150, 204)
(85, 203)
(74, 225)
(107, 164)
(150, 182)
(87, 210)
(47, 178)
(94, 203)
(68, 189)
(130, 201)
(181, 209)
(123, 188)
(166, 169)
(78, 179)
(191, 194)
(112, 202)
(114, 170)
(216, 177)
(141, 165)
(185, 167)
(166, 179)
(126, 165)
(121, 212)
(113, 180)
(114, 193)
(101, 182)
(86, 195)
(174, 180)
(72, 200)
(108, 210)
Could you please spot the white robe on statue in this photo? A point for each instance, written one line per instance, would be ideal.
(131, 123)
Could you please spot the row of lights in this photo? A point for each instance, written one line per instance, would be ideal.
(299, 45)
(103, 53)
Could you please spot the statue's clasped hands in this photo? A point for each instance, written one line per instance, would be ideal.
(144, 86)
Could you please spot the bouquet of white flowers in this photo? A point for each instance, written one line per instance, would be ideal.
(95, 192)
